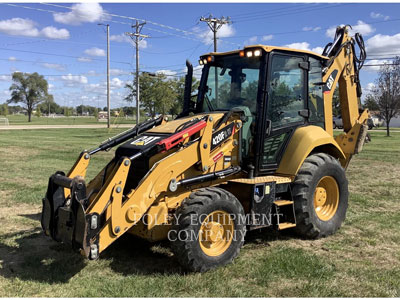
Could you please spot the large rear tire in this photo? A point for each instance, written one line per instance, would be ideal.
(320, 192)
(208, 229)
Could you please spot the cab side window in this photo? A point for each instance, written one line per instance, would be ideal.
(286, 91)
(315, 96)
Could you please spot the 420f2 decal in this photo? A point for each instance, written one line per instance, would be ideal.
(221, 135)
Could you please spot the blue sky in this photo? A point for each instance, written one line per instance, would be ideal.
(64, 42)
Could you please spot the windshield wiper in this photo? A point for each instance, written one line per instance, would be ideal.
(209, 104)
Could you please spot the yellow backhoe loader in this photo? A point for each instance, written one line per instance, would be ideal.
(255, 149)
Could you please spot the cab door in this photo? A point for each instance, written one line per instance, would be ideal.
(285, 107)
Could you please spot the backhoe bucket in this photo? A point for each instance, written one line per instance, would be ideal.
(64, 219)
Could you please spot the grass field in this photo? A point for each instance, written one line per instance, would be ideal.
(361, 260)
(73, 120)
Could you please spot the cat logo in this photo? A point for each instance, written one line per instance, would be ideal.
(145, 140)
(329, 83)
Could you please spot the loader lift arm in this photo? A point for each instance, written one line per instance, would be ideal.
(111, 213)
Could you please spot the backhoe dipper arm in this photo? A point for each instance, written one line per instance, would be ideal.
(343, 67)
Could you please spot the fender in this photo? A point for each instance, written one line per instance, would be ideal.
(303, 142)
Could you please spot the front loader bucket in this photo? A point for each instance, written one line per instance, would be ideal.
(65, 220)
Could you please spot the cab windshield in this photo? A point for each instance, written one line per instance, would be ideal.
(232, 81)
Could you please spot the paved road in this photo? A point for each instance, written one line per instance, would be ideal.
(16, 127)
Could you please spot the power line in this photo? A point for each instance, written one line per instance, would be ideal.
(60, 55)
(126, 17)
(306, 31)
(186, 32)
(251, 13)
(130, 18)
(287, 13)
(284, 11)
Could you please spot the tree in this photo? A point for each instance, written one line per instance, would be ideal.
(370, 103)
(336, 102)
(50, 103)
(4, 109)
(38, 113)
(96, 113)
(67, 111)
(387, 92)
(156, 93)
(30, 89)
(179, 87)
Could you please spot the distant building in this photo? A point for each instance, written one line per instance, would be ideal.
(102, 115)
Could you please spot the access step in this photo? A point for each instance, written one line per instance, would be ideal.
(286, 225)
(283, 202)
(286, 209)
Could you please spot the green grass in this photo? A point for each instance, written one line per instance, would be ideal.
(361, 260)
(73, 120)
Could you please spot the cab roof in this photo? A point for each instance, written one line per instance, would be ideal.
(267, 48)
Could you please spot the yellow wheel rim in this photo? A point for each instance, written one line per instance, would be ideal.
(216, 233)
(326, 198)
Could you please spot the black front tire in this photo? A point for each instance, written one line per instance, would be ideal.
(314, 168)
(187, 222)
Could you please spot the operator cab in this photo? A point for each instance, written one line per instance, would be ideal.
(277, 89)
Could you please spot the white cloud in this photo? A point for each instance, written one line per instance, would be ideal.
(54, 33)
(73, 79)
(5, 78)
(143, 44)
(53, 66)
(317, 50)
(27, 27)
(253, 39)
(300, 46)
(310, 28)
(84, 59)
(95, 52)
(92, 73)
(197, 72)
(118, 72)
(120, 38)
(81, 13)
(19, 26)
(267, 37)
(7, 92)
(12, 58)
(367, 89)
(375, 15)
(383, 44)
(166, 72)
(305, 46)
(360, 27)
(116, 83)
(206, 35)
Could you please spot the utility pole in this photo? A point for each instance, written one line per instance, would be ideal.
(137, 37)
(108, 73)
(215, 24)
